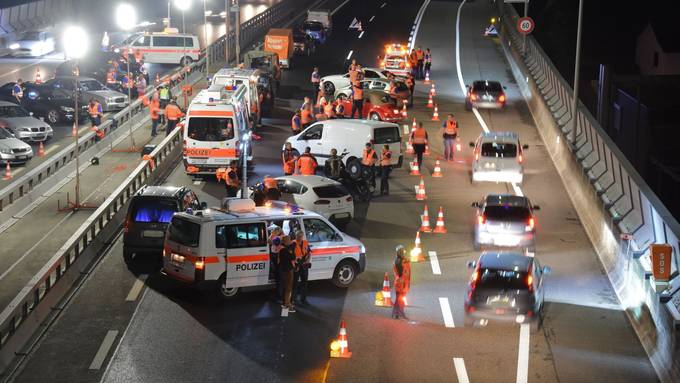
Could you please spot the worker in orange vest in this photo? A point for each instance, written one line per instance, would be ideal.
(173, 113)
(289, 157)
(419, 142)
(296, 123)
(303, 262)
(329, 110)
(357, 100)
(232, 180)
(368, 160)
(420, 62)
(306, 164)
(155, 112)
(94, 109)
(450, 132)
(306, 116)
(271, 188)
(111, 77)
(385, 169)
(402, 281)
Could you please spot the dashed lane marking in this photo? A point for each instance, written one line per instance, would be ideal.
(434, 262)
(136, 288)
(349, 55)
(461, 372)
(383, 5)
(361, 34)
(523, 357)
(446, 312)
(517, 189)
(103, 351)
(284, 312)
(371, 19)
(339, 6)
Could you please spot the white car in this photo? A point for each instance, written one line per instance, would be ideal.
(33, 44)
(319, 194)
(374, 84)
(339, 81)
(498, 157)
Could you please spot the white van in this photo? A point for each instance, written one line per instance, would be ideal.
(217, 119)
(229, 246)
(350, 136)
(168, 47)
(249, 78)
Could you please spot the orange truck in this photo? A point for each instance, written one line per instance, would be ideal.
(280, 41)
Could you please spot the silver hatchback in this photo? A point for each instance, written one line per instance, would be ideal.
(505, 220)
(13, 150)
(22, 124)
(498, 157)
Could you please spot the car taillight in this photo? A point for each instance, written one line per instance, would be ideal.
(501, 98)
(322, 202)
(199, 264)
(481, 219)
(530, 282)
(474, 278)
(520, 158)
(349, 199)
(126, 225)
(473, 97)
(531, 224)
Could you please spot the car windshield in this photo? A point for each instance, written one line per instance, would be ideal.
(130, 39)
(4, 134)
(499, 149)
(315, 27)
(91, 85)
(29, 36)
(153, 210)
(184, 232)
(330, 191)
(210, 129)
(11, 111)
(487, 86)
(502, 279)
(507, 213)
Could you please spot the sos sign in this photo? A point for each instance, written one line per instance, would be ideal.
(525, 25)
(661, 261)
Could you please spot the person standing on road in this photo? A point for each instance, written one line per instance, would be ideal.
(289, 158)
(334, 165)
(155, 112)
(274, 248)
(306, 116)
(296, 123)
(385, 169)
(420, 62)
(232, 180)
(411, 85)
(286, 268)
(18, 90)
(316, 81)
(402, 282)
(357, 100)
(419, 141)
(165, 96)
(368, 160)
(141, 85)
(94, 109)
(450, 132)
(173, 113)
(428, 62)
(303, 260)
(306, 163)
(277, 76)
(413, 62)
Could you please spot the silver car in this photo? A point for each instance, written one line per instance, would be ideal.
(91, 89)
(13, 150)
(505, 220)
(498, 157)
(485, 94)
(33, 44)
(22, 124)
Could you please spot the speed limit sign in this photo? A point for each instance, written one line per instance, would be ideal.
(525, 25)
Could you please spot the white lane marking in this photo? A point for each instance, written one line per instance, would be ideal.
(416, 24)
(339, 6)
(458, 68)
(361, 34)
(481, 120)
(103, 350)
(434, 262)
(446, 312)
(197, 182)
(461, 372)
(284, 312)
(371, 19)
(17, 170)
(517, 189)
(383, 5)
(406, 129)
(51, 149)
(523, 357)
(136, 288)
(349, 55)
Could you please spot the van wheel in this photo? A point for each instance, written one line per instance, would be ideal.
(186, 60)
(344, 274)
(225, 292)
(354, 168)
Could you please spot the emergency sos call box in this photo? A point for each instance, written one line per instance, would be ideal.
(661, 261)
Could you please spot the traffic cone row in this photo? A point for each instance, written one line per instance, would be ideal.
(420, 196)
(437, 173)
(433, 91)
(340, 347)
(435, 115)
(425, 221)
(384, 298)
(404, 112)
(8, 172)
(415, 169)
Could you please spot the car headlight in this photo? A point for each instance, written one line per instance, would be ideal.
(363, 249)
(6, 151)
(67, 109)
(23, 129)
(14, 46)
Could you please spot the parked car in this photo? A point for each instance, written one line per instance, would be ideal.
(382, 84)
(505, 287)
(95, 65)
(33, 44)
(498, 157)
(53, 105)
(378, 106)
(485, 94)
(22, 124)
(505, 220)
(330, 83)
(12, 149)
(90, 88)
(318, 194)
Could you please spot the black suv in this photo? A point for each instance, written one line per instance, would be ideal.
(149, 215)
(505, 287)
(53, 105)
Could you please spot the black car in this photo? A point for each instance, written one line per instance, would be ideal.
(53, 105)
(505, 287)
(96, 65)
(485, 94)
(303, 44)
(148, 216)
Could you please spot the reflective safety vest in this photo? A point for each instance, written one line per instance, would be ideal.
(369, 157)
(295, 123)
(288, 158)
(306, 165)
(420, 55)
(358, 93)
(111, 77)
(94, 109)
(419, 136)
(155, 108)
(451, 127)
(164, 93)
(385, 157)
(301, 249)
(270, 183)
(127, 82)
(306, 117)
(353, 75)
(172, 112)
(232, 178)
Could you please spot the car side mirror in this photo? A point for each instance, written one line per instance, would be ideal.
(475, 204)
(525, 146)
(472, 145)
(546, 270)
(536, 207)
(337, 237)
(471, 264)
(204, 205)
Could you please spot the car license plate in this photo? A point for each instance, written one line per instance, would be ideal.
(153, 234)
(218, 160)
(506, 240)
(341, 215)
(22, 157)
(177, 259)
(196, 161)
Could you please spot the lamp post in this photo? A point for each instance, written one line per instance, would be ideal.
(577, 72)
(183, 5)
(126, 18)
(227, 22)
(238, 31)
(205, 40)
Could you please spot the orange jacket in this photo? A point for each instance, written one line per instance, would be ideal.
(173, 113)
(306, 165)
(419, 136)
(155, 108)
(369, 157)
(358, 93)
(306, 117)
(288, 158)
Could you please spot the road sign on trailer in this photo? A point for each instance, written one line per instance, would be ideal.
(525, 25)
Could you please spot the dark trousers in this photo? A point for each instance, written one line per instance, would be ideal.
(170, 127)
(315, 85)
(275, 274)
(95, 120)
(419, 149)
(164, 103)
(369, 171)
(421, 74)
(384, 179)
(398, 307)
(411, 90)
(286, 278)
(358, 107)
(154, 125)
(231, 191)
(300, 283)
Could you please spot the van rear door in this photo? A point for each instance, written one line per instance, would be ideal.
(388, 134)
(247, 254)
(181, 248)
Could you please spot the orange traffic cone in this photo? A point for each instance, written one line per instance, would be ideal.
(385, 294)
(427, 77)
(415, 169)
(417, 251)
(74, 130)
(404, 112)
(439, 227)
(430, 102)
(427, 150)
(425, 221)
(8, 173)
(41, 150)
(433, 90)
(38, 78)
(414, 125)
(435, 115)
(340, 347)
(420, 196)
(437, 170)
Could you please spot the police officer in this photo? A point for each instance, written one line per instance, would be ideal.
(164, 95)
(232, 180)
(385, 169)
(303, 260)
(275, 234)
(368, 161)
(428, 61)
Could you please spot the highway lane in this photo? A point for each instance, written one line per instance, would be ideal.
(179, 334)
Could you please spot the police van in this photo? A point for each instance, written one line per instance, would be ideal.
(229, 246)
(217, 119)
(247, 77)
(167, 47)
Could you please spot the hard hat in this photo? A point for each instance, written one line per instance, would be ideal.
(400, 250)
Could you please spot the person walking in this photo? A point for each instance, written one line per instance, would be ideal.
(428, 61)
(289, 158)
(303, 261)
(306, 163)
(357, 100)
(368, 160)
(420, 62)
(419, 142)
(316, 81)
(173, 113)
(286, 273)
(94, 109)
(402, 282)
(232, 180)
(18, 91)
(385, 169)
(275, 234)
(450, 132)
(155, 112)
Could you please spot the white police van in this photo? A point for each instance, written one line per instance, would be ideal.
(229, 245)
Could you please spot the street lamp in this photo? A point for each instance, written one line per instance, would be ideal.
(126, 18)
(577, 72)
(75, 46)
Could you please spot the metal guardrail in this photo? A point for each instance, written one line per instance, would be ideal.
(633, 207)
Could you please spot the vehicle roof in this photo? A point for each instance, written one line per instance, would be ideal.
(493, 136)
(311, 181)
(159, 191)
(367, 124)
(500, 260)
(274, 212)
(506, 199)
(236, 72)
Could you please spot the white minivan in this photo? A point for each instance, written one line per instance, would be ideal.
(349, 136)
(168, 47)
